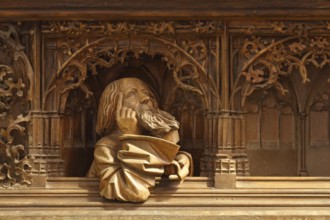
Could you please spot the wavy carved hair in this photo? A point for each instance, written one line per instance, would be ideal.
(106, 120)
(107, 107)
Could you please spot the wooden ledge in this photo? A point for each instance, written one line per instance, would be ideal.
(79, 198)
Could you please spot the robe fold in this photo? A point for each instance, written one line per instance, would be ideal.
(127, 165)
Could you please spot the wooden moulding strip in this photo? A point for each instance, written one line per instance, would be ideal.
(82, 14)
(71, 192)
(167, 200)
(66, 196)
(205, 183)
(165, 213)
(145, 9)
(283, 182)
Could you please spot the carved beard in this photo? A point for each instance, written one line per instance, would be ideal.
(156, 121)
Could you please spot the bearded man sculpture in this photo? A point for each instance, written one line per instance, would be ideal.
(138, 143)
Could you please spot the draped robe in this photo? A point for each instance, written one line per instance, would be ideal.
(127, 165)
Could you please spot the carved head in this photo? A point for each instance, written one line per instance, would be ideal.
(139, 97)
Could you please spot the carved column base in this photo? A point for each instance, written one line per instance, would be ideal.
(227, 154)
(229, 164)
(39, 181)
(225, 181)
(45, 144)
(231, 156)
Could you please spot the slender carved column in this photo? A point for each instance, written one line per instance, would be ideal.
(226, 145)
(302, 142)
(228, 132)
(45, 144)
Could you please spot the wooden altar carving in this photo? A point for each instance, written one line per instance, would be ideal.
(112, 47)
(181, 60)
(248, 83)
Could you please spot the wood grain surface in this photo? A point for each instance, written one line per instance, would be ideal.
(146, 9)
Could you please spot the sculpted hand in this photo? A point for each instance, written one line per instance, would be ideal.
(126, 118)
(179, 168)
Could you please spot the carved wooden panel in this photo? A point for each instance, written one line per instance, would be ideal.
(252, 96)
(86, 56)
(16, 86)
(289, 61)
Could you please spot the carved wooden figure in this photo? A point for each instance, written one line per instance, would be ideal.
(125, 160)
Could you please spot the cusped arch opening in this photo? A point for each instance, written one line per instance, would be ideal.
(79, 127)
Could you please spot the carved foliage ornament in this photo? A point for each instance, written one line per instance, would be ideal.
(186, 59)
(111, 28)
(267, 62)
(9, 88)
(15, 164)
(293, 28)
(120, 40)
